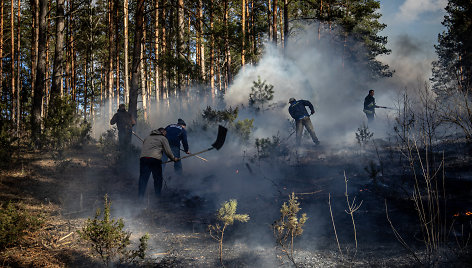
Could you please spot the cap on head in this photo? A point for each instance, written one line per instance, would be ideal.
(291, 100)
(181, 122)
(122, 106)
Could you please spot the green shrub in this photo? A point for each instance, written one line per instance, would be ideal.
(108, 239)
(7, 139)
(261, 93)
(243, 128)
(63, 126)
(266, 147)
(363, 135)
(15, 222)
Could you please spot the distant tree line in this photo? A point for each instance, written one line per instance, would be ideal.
(85, 57)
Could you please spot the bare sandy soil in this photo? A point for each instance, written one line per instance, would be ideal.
(66, 188)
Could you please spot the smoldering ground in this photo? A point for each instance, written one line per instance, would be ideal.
(308, 69)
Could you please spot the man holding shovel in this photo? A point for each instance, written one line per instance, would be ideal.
(369, 106)
(302, 119)
(177, 134)
(151, 160)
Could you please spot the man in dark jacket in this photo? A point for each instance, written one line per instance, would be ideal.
(369, 106)
(298, 112)
(124, 122)
(151, 160)
(177, 134)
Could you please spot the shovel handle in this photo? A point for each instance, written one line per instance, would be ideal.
(190, 155)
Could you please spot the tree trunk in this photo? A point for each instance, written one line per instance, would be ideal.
(18, 68)
(58, 52)
(46, 81)
(126, 67)
(111, 48)
(142, 63)
(227, 48)
(163, 51)
(243, 25)
(180, 39)
(34, 43)
(156, 51)
(13, 76)
(133, 95)
(212, 53)
(274, 22)
(117, 51)
(41, 69)
(285, 23)
(254, 33)
(269, 25)
(1, 50)
(18, 64)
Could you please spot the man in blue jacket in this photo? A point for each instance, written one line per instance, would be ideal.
(298, 112)
(177, 134)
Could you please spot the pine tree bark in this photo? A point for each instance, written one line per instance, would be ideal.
(18, 63)
(142, 67)
(40, 73)
(180, 41)
(126, 41)
(286, 33)
(13, 76)
(269, 24)
(133, 95)
(156, 51)
(243, 30)
(34, 43)
(111, 54)
(1, 50)
(117, 51)
(212, 53)
(163, 51)
(274, 22)
(227, 48)
(58, 53)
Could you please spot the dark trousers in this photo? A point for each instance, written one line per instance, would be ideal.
(177, 165)
(124, 138)
(304, 122)
(370, 117)
(146, 166)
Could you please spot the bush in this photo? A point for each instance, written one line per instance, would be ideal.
(108, 239)
(63, 126)
(6, 142)
(15, 222)
(266, 147)
(261, 93)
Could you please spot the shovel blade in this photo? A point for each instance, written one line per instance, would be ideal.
(220, 139)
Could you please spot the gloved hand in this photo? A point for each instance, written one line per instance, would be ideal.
(187, 152)
(176, 159)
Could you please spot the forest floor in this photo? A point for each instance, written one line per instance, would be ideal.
(66, 188)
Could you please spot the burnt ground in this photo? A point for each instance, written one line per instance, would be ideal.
(67, 187)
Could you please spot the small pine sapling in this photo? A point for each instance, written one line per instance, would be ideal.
(363, 135)
(108, 239)
(289, 226)
(261, 93)
(226, 215)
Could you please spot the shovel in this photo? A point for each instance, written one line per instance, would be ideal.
(220, 140)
